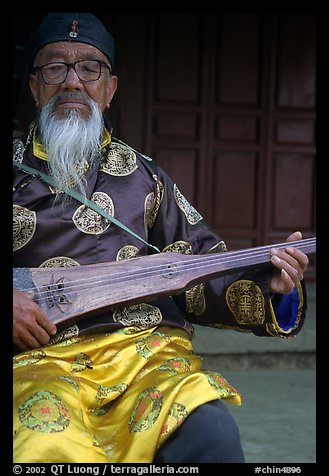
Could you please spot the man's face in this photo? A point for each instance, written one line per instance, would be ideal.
(101, 91)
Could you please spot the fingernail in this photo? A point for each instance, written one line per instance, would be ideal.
(274, 251)
(284, 273)
(276, 259)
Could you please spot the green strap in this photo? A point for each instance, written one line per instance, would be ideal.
(82, 199)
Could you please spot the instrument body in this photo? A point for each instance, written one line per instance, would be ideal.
(67, 294)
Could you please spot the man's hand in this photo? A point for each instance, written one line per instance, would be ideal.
(291, 264)
(31, 326)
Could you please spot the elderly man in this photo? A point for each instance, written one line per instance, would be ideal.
(123, 385)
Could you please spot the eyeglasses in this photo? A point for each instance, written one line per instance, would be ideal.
(86, 70)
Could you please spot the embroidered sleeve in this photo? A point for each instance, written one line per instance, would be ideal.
(288, 312)
(239, 301)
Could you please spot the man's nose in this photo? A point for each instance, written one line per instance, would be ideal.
(72, 80)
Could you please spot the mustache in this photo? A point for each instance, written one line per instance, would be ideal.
(71, 95)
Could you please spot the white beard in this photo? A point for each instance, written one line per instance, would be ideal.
(70, 141)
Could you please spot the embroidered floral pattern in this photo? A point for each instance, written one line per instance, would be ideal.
(176, 365)
(146, 411)
(222, 387)
(73, 381)
(106, 393)
(29, 358)
(45, 412)
(82, 362)
(146, 346)
(176, 415)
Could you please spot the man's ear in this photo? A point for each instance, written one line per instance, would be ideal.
(111, 88)
(33, 83)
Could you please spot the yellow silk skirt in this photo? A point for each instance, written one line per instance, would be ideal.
(108, 397)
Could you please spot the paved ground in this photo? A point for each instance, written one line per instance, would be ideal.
(276, 378)
(277, 417)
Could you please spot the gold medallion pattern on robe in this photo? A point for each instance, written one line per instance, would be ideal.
(66, 336)
(119, 161)
(81, 168)
(142, 315)
(59, 262)
(24, 225)
(195, 301)
(246, 302)
(152, 204)
(182, 247)
(90, 222)
(218, 248)
(127, 252)
(192, 215)
(18, 150)
(149, 215)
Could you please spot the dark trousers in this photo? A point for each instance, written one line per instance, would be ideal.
(208, 435)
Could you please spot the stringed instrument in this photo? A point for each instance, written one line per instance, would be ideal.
(69, 294)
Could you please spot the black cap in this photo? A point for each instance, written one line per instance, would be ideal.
(79, 27)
